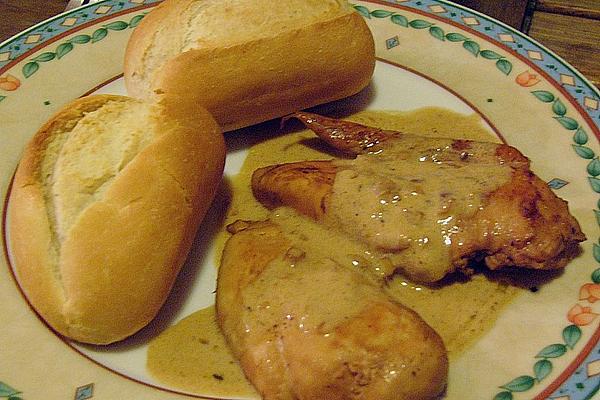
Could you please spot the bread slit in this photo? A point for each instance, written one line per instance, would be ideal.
(104, 208)
(47, 178)
(179, 184)
(69, 154)
(92, 155)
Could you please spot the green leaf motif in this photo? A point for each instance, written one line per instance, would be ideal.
(571, 334)
(593, 168)
(381, 13)
(559, 108)
(595, 182)
(456, 37)
(15, 398)
(137, 19)
(117, 26)
(596, 276)
(99, 34)
(364, 11)
(568, 123)
(472, 47)
(542, 369)
(580, 137)
(2, 98)
(552, 351)
(583, 152)
(437, 33)
(80, 39)
(490, 55)
(419, 24)
(597, 214)
(63, 49)
(30, 68)
(520, 384)
(596, 249)
(503, 396)
(6, 391)
(44, 57)
(504, 65)
(400, 20)
(543, 95)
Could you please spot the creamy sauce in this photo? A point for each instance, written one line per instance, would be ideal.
(460, 311)
(410, 197)
(304, 281)
(192, 356)
(304, 145)
(305, 322)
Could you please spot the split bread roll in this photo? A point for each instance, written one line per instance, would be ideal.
(248, 61)
(104, 207)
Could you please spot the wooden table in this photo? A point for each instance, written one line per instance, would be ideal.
(571, 28)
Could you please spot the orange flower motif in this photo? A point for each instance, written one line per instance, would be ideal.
(590, 292)
(9, 83)
(527, 79)
(581, 315)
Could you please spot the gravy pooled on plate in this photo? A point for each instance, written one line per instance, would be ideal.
(459, 329)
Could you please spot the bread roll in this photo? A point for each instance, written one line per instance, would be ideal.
(248, 61)
(104, 207)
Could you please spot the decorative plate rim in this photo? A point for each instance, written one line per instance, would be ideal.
(576, 99)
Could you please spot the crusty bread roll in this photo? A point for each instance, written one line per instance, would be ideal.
(248, 61)
(104, 207)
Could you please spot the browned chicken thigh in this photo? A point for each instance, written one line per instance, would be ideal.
(430, 205)
(304, 326)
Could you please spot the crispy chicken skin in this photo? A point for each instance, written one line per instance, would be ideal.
(296, 340)
(518, 223)
(305, 186)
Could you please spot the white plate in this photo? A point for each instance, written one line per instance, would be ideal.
(429, 53)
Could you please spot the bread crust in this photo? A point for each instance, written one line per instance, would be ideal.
(266, 75)
(107, 276)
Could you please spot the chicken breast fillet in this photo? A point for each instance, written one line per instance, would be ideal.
(303, 326)
(431, 205)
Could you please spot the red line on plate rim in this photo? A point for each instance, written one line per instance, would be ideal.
(571, 368)
(449, 90)
(101, 85)
(581, 111)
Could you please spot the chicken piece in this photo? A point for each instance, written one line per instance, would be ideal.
(294, 340)
(429, 204)
(307, 192)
